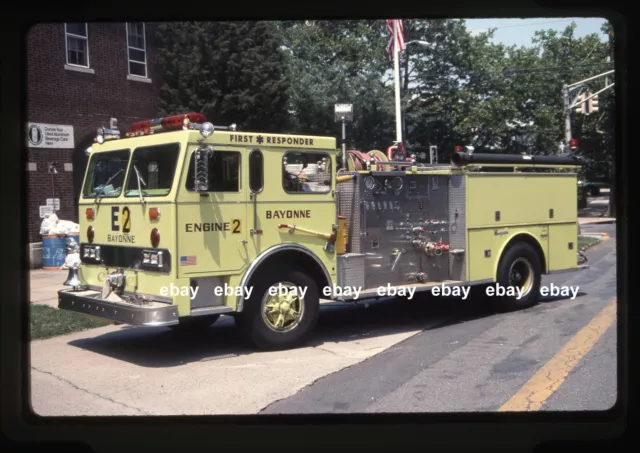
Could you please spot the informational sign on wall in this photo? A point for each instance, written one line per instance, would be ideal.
(41, 135)
(54, 203)
(45, 211)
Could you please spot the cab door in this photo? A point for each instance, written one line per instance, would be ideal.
(255, 195)
(212, 227)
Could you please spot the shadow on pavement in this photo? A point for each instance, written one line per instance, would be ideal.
(338, 322)
(558, 298)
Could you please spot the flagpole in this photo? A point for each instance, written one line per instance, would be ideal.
(396, 74)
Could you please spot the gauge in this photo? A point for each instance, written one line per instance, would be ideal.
(396, 183)
(370, 182)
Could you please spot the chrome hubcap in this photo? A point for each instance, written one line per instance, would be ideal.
(282, 307)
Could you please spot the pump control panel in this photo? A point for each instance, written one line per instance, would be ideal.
(405, 233)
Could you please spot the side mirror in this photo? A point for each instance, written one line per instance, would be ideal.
(201, 168)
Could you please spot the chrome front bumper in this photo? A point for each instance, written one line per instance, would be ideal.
(89, 303)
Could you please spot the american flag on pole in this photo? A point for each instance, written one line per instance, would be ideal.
(188, 260)
(400, 34)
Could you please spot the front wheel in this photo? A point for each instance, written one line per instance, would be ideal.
(282, 311)
(519, 278)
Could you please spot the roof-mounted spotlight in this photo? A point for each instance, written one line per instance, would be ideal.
(206, 129)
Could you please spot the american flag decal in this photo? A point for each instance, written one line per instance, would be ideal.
(188, 260)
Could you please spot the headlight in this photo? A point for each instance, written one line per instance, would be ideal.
(152, 258)
(91, 253)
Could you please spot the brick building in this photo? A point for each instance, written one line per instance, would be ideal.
(79, 76)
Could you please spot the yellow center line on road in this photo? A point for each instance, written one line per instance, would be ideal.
(546, 381)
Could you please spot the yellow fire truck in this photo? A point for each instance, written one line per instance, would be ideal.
(182, 221)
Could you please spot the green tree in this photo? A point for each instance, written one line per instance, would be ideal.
(452, 92)
(342, 61)
(233, 72)
(464, 89)
(565, 59)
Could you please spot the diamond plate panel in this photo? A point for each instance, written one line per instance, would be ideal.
(349, 206)
(351, 270)
(457, 226)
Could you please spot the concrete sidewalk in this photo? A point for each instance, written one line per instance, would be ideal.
(593, 220)
(44, 286)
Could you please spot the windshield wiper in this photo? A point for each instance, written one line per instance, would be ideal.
(107, 183)
(140, 180)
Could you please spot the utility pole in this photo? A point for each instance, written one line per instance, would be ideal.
(611, 211)
(567, 115)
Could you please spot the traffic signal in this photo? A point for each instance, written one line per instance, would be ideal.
(593, 104)
(581, 104)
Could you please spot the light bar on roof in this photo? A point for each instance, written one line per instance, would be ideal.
(185, 121)
(167, 123)
(107, 134)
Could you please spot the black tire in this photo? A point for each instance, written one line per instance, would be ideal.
(195, 323)
(256, 328)
(594, 191)
(522, 258)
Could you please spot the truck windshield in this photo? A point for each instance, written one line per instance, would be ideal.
(156, 167)
(105, 176)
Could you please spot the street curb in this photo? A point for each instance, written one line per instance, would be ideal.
(597, 222)
(601, 236)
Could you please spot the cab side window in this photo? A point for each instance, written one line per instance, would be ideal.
(256, 171)
(306, 172)
(224, 172)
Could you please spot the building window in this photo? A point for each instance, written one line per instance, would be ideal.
(77, 42)
(136, 49)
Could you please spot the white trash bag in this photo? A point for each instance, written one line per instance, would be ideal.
(49, 224)
(67, 227)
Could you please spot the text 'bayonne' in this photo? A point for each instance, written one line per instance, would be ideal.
(289, 214)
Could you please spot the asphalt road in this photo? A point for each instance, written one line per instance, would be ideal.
(481, 361)
(425, 355)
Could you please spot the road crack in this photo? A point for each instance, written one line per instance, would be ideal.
(92, 393)
(329, 351)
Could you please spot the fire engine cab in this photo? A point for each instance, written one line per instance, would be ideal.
(182, 221)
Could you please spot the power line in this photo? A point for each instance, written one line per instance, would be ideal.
(522, 25)
(506, 71)
(550, 68)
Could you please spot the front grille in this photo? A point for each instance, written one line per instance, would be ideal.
(127, 257)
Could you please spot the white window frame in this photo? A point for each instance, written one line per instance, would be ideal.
(129, 61)
(66, 46)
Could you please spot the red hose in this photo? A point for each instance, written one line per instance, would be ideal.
(390, 151)
(359, 159)
(377, 159)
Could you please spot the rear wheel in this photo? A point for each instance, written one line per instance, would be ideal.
(279, 315)
(520, 273)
